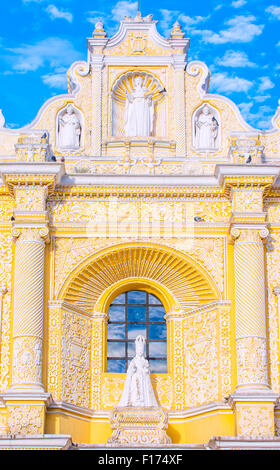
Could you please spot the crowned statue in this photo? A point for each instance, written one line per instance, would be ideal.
(139, 111)
(138, 390)
(69, 129)
(206, 130)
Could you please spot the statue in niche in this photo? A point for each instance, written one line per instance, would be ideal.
(206, 130)
(69, 129)
(139, 111)
(138, 390)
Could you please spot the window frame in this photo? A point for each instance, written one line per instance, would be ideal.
(146, 322)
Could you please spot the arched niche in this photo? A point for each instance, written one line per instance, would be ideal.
(69, 129)
(206, 129)
(152, 86)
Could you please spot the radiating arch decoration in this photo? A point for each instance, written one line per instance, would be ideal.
(186, 281)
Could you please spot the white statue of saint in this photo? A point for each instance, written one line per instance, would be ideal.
(69, 129)
(139, 111)
(206, 129)
(138, 390)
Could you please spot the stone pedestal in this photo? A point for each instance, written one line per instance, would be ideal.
(139, 426)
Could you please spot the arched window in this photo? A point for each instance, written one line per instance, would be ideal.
(131, 314)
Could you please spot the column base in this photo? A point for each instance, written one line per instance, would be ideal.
(254, 412)
(26, 410)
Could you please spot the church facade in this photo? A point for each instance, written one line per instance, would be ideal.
(139, 203)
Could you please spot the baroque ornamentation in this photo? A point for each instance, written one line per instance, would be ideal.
(25, 419)
(27, 360)
(201, 359)
(251, 361)
(255, 422)
(75, 359)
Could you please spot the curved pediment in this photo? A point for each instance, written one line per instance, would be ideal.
(138, 36)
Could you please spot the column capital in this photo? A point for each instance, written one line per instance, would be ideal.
(29, 233)
(246, 233)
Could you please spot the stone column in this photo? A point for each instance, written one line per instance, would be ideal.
(250, 323)
(253, 400)
(179, 106)
(28, 308)
(96, 67)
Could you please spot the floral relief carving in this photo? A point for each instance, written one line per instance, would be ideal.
(27, 360)
(75, 368)
(251, 361)
(201, 359)
(255, 422)
(25, 419)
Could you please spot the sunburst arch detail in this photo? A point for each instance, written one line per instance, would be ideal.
(186, 281)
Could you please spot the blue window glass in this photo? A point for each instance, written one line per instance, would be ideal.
(130, 314)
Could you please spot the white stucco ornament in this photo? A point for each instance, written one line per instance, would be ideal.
(69, 129)
(138, 390)
(139, 111)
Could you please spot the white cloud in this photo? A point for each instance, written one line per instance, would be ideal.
(241, 29)
(223, 83)
(238, 3)
(94, 16)
(170, 16)
(261, 98)
(55, 13)
(261, 119)
(121, 9)
(57, 79)
(265, 84)
(274, 11)
(235, 59)
(52, 51)
(124, 8)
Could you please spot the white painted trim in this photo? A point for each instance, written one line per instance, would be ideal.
(36, 441)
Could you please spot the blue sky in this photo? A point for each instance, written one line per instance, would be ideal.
(239, 40)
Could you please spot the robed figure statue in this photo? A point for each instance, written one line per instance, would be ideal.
(138, 390)
(139, 111)
(69, 129)
(206, 130)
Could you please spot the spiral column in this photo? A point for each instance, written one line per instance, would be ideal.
(250, 325)
(253, 400)
(28, 308)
